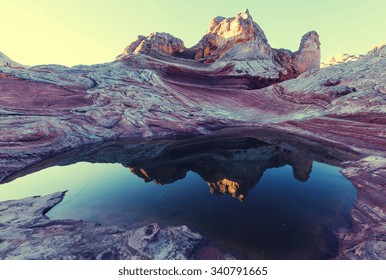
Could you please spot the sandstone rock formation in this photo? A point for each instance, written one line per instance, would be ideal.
(236, 44)
(305, 59)
(343, 58)
(225, 33)
(155, 43)
(339, 59)
(378, 50)
(47, 110)
(308, 55)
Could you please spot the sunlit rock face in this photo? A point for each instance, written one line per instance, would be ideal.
(225, 33)
(155, 43)
(339, 59)
(379, 50)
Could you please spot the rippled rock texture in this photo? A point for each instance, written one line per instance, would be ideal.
(49, 109)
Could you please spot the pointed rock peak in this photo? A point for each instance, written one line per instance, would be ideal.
(240, 23)
(224, 33)
(245, 14)
(310, 40)
(308, 55)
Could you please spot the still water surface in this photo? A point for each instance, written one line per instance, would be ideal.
(272, 215)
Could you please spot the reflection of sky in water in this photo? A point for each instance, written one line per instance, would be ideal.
(281, 216)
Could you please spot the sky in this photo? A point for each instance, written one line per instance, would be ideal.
(75, 32)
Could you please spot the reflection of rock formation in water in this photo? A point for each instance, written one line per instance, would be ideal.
(161, 175)
(229, 166)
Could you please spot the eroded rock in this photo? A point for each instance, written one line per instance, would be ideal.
(224, 34)
(339, 59)
(308, 55)
(156, 43)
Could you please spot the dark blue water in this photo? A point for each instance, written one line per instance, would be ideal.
(279, 218)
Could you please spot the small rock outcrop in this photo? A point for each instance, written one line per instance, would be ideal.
(339, 59)
(306, 58)
(308, 55)
(155, 43)
(377, 51)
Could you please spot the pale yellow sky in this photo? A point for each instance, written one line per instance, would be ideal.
(88, 32)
